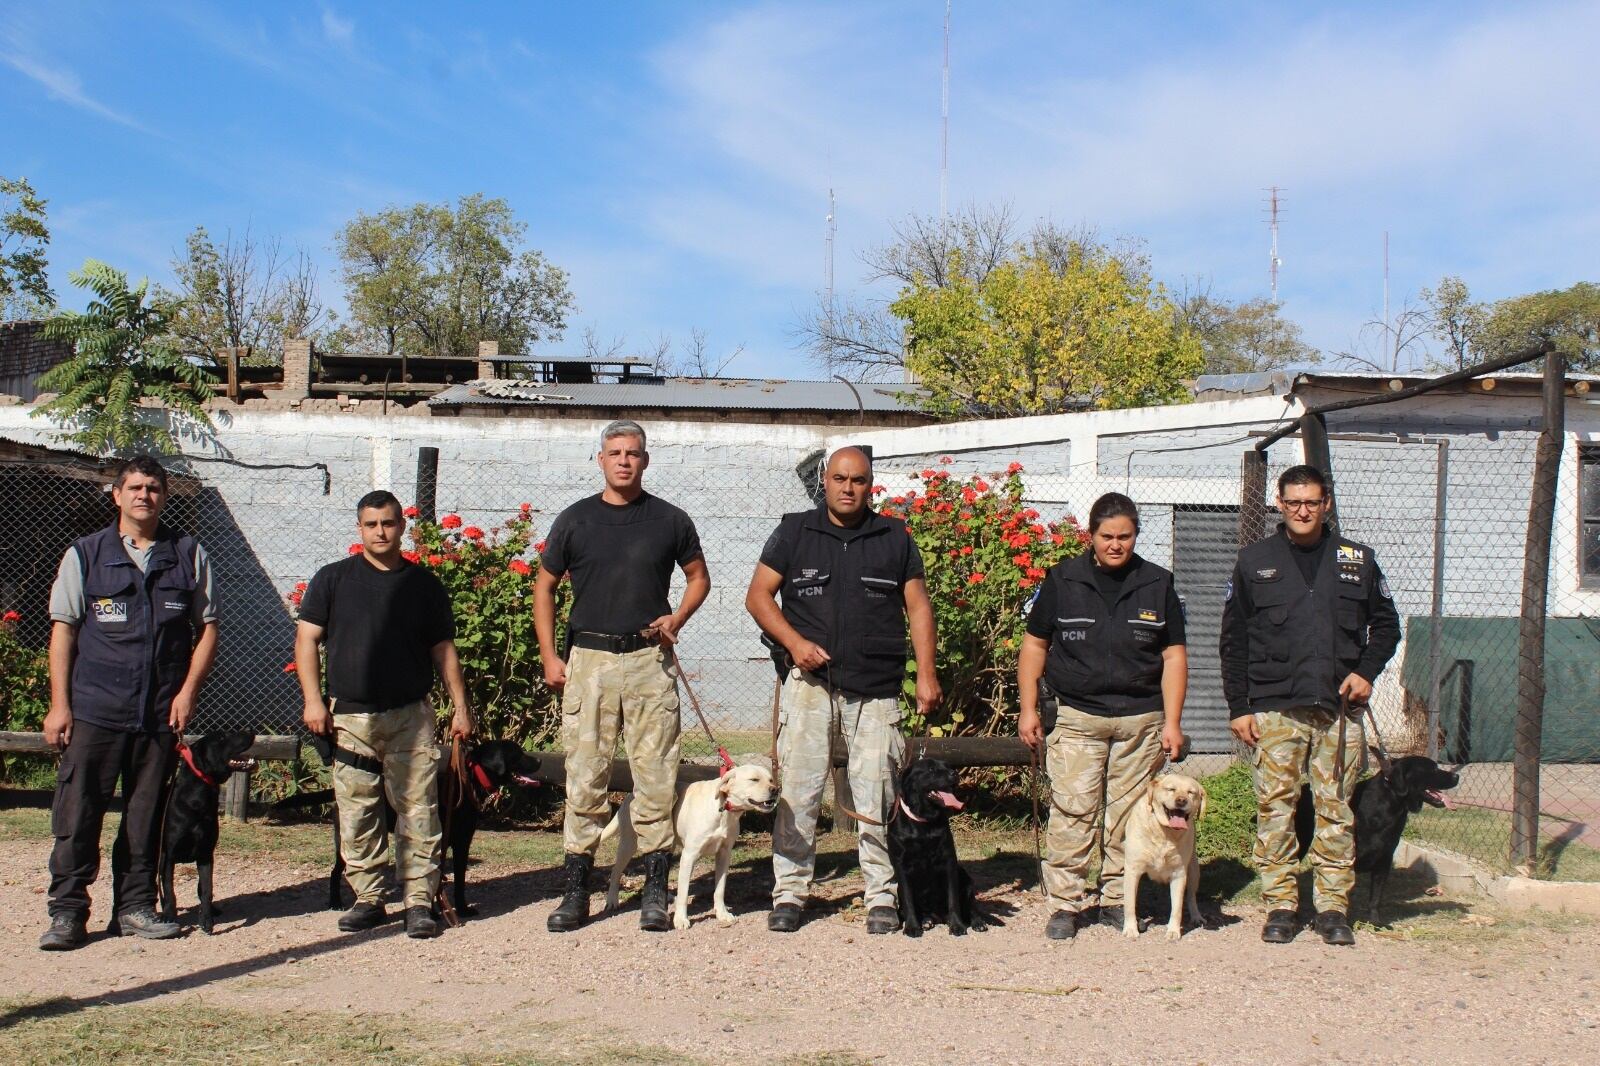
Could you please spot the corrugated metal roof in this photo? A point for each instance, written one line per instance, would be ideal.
(745, 394)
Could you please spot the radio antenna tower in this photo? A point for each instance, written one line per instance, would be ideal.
(833, 227)
(944, 123)
(1273, 201)
(1386, 294)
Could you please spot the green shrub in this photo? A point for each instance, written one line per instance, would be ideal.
(1229, 828)
(24, 691)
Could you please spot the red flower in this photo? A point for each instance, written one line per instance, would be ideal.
(1035, 573)
(526, 508)
(519, 567)
(1014, 468)
(876, 489)
(299, 586)
(1019, 540)
(472, 533)
(975, 579)
(539, 547)
(917, 505)
(1057, 538)
(1025, 583)
(355, 549)
(897, 500)
(450, 521)
(411, 512)
(961, 601)
(981, 485)
(945, 460)
(1030, 514)
(966, 549)
(11, 616)
(1022, 559)
(927, 475)
(409, 557)
(435, 560)
(952, 553)
(962, 527)
(289, 668)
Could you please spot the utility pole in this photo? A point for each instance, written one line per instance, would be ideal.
(833, 227)
(1273, 262)
(944, 123)
(1386, 353)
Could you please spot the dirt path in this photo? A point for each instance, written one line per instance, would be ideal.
(1438, 987)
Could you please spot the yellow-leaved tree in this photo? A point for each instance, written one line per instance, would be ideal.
(1043, 333)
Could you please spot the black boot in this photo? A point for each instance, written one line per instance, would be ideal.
(574, 909)
(653, 915)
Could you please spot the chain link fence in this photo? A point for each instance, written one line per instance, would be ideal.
(1446, 515)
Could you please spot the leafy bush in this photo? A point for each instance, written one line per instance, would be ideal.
(1229, 828)
(24, 685)
(489, 575)
(985, 552)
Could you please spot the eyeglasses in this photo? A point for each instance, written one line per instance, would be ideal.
(1303, 505)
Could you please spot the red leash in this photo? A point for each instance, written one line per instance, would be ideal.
(188, 758)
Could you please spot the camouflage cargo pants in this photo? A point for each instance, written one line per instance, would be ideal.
(1292, 742)
(1097, 765)
(870, 729)
(631, 691)
(402, 739)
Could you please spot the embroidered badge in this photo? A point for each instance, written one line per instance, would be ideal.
(1267, 574)
(1227, 591)
(1383, 588)
(1352, 576)
(1147, 616)
(1349, 553)
(109, 611)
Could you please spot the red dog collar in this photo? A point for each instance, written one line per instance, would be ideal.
(188, 758)
(482, 777)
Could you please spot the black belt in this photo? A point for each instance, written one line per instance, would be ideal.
(365, 763)
(344, 706)
(613, 642)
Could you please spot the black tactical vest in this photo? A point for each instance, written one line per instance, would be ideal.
(134, 645)
(846, 596)
(1305, 641)
(1108, 659)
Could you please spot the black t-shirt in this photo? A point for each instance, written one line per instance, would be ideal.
(1042, 615)
(381, 628)
(620, 558)
(1309, 557)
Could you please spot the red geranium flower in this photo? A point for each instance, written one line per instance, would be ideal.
(945, 460)
(411, 512)
(966, 549)
(975, 579)
(1022, 559)
(897, 499)
(526, 508)
(472, 533)
(11, 616)
(981, 485)
(876, 489)
(1025, 583)
(409, 557)
(1014, 468)
(450, 521)
(968, 495)
(355, 549)
(435, 560)
(1035, 573)
(289, 668)
(520, 567)
(927, 474)
(539, 547)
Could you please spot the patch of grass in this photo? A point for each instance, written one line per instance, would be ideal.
(1485, 835)
(64, 1031)
(1228, 831)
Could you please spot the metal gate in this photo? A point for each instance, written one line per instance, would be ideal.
(1204, 548)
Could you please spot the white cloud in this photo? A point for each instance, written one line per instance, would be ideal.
(337, 30)
(62, 84)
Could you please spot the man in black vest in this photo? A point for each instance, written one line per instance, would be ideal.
(134, 634)
(1307, 626)
(850, 579)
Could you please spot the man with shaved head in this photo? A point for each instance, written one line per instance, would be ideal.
(849, 580)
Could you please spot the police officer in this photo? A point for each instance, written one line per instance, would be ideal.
(1106, 637)
(1307, 626)
(134, 634)
(850, 579)
(619, 547)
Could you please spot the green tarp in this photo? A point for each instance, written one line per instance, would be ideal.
(1478, 699)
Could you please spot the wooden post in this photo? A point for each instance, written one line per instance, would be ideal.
(1529, 734)
(230, 360)
(427, 483)
(1252, 497)
(1314, 443)
(236, 796)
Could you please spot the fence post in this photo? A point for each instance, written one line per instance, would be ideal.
(1441, 500)
(236, 796)
(1530, 634)
(1252, 496)
(427, 482)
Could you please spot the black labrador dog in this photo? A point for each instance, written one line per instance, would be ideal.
(933, 886)
(1382, 805)
(491, 766)
(189, 828)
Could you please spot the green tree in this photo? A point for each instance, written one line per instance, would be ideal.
(1244, 338)
(435, 279)
(24, 240)
(242, 293)
(1570, 317)
(122, 362)
(1042, 334)
(1456, 320)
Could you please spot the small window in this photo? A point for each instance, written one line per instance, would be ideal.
(1589, 516)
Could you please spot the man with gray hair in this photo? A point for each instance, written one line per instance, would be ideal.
(619, 548)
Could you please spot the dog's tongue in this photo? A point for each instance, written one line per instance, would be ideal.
(1443, 800)
(1177, 821)
(949, 800)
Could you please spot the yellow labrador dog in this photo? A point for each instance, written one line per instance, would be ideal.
(706, 817)
(1160, 845)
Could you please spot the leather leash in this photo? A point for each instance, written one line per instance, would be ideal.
(777, 725)
(694, 701)
(459, 769)
(1033, 790)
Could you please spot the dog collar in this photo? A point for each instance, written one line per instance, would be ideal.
(188, 758)
(907, 811)
(482, 777)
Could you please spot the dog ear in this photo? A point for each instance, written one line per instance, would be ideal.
(1204, 799)
(725, 784)
(1150, 790)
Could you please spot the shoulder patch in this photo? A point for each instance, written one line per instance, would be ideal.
(1383, 588)
(1227, 591)
(1349, 553)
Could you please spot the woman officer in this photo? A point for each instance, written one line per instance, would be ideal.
(1106, 636)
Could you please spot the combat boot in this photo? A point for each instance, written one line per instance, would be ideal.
(1334, 928)
(1281, 926)
(574, 908)
(653, 915)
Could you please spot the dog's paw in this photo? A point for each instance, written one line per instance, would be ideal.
(1131, 932)
(724, 917)
(207, 926)
(680, 922)
(912, 929)
(957, 929)
(1174, 934)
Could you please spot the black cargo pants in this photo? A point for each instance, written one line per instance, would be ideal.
(87, 779)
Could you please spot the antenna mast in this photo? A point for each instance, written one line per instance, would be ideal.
(944, 126)
(1274, 262)
(1386, 297)
(833, 227)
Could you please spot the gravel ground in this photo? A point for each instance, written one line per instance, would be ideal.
(1452, 982)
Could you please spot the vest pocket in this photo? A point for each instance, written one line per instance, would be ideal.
(808, 587)
(879, 584)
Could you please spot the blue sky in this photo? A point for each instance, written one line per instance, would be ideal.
(676, 158)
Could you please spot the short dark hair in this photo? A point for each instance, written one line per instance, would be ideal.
(1302, 475)
(1113, 505)
(139, 464)
(379, 498)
